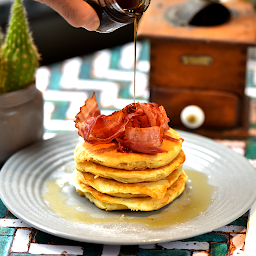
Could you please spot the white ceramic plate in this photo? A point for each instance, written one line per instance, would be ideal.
(24, 176)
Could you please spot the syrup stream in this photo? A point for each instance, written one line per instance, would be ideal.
(135, 55)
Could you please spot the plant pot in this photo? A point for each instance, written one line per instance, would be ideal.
(21, 120)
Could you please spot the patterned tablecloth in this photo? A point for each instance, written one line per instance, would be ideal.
(109, 73)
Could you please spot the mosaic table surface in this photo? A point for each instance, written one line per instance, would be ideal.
(109, 73)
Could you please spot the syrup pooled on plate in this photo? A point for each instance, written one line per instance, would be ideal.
(62, 200)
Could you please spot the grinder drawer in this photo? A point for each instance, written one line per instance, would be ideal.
(221, 109)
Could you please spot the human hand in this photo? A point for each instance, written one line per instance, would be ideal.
(77, 13)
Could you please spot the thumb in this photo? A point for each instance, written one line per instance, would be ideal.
(77, 13)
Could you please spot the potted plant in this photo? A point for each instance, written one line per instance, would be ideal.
(21, 104)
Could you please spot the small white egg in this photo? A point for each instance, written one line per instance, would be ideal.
(192, 116)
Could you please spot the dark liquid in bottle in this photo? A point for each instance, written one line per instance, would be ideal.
(133, 6)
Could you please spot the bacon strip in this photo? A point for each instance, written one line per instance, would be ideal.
(90, 109)
(139, 127)
(147, 136)
(138, 147)
(166, 137)
(104, 129)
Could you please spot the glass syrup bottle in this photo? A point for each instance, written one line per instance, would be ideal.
(114, 14)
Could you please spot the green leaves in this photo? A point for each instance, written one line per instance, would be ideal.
(20, 57)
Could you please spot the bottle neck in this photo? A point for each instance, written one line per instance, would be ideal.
(117, 13)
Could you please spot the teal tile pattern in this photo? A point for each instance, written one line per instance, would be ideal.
(220, 242)
(251, 148)
(240, 222)
(249, 78)
(60, 110)
(5, 231)
(5, 245)
(3, 209)
(54, 83)
(115, 57)
(219, 249)
(211, 237)
(145, 52)
(85, 71)
(10, 215)
(93, 250)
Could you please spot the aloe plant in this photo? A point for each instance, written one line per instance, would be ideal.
(19, 58)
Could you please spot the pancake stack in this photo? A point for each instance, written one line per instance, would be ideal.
(114, 180)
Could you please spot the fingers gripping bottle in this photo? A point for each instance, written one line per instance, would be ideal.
(114, 14)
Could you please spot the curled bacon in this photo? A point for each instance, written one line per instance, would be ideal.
(139, 127)
(146, 140)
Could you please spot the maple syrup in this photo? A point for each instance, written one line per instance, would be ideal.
(135, 55)
(63, 200)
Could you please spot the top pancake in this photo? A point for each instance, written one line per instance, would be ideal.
(108, 155)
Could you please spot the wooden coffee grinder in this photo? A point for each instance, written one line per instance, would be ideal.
(198, 58)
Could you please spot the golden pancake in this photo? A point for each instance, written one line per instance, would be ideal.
(108, 154)
(155, 189)
(122, 195)
(110, 203)
(131, 176)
